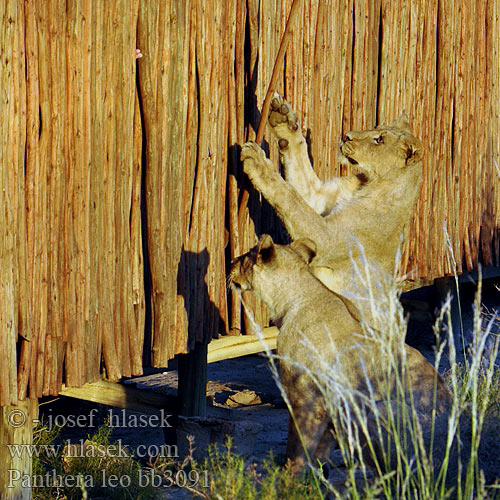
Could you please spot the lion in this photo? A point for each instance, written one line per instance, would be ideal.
(320, 333)
(363, 216)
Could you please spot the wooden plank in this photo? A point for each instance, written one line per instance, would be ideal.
(125, 396)
(243, 345)
(120, 396)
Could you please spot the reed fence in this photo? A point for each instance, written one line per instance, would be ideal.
(120, 181)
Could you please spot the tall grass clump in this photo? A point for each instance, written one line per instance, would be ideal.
(94, 468)
(390, 447)
(415, 455)
(230, 477)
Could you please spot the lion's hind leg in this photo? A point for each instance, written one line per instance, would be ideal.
(327, 443)
(305, 432)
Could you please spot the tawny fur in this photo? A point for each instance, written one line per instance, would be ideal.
(370, 211)
(320, 329)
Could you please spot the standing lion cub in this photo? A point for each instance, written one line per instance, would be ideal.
(320, 337)
(345, 216)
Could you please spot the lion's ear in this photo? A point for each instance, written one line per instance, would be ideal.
(412, 149)
(402, 123)
(306, 248)
(265, 248)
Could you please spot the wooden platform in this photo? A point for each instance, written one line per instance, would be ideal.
(127, 396)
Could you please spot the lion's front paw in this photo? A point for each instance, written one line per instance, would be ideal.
(255, 163)
(283, 120)
(252, 155)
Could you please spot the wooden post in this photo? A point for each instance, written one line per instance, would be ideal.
(16, 428)
(192, 388)
(193, 382)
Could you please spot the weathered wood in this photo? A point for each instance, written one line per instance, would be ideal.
(236, 137)
(121, 396)
(16, 428)
(78, 200)
(278, 64)
(243, 345)
(14, 310)
(192, 388)
(186, 141)
(28, 346)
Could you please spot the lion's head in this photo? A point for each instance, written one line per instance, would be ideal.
(268, 266)
(382, 149)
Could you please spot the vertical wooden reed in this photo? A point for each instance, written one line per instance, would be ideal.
(12, 129)
(136, 332)
(186, 237)
(28, 349)
(204, 243)
(17, 141)
(163, 35)
(491, 233)
(236, 137)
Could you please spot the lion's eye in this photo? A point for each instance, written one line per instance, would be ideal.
(379, 140)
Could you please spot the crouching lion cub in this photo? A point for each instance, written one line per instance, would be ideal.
(319, 333)
(369, 210)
